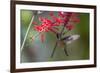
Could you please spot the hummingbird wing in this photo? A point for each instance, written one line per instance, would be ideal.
(69, 39)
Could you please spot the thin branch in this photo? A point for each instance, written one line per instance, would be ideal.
(65, 50)
(62, 30)
(61, 33)
(64, 27)
(54, 49)
(27, 33)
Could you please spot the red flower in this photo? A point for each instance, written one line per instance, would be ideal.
(38, 28)
(46, 25)
(45, 20)
(34, 23)
(64, 14)
(57, 20)
(69, 27)
(61, 14)
(51, 14)
(66, 19)
(74, 18)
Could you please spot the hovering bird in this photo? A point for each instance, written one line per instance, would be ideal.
(64, 42)
(69, 39)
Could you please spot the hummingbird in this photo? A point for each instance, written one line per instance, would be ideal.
(64, 42)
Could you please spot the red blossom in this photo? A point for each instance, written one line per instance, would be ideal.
(62, 19)
(74, 18)
(45, 20)
(61, 14)
(51, 14)
(48, 25)
(69, 27)
(54, 30)
(34, 23)
(57, 20)
(38, 28)
(64, 14)
(45, 26)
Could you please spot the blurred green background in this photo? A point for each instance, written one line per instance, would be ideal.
(36, 51)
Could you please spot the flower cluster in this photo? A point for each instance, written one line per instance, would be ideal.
(64, 19)
(45, 26)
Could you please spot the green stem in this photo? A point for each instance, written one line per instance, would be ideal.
(62, 30)
(54, 49)
(65, 50)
